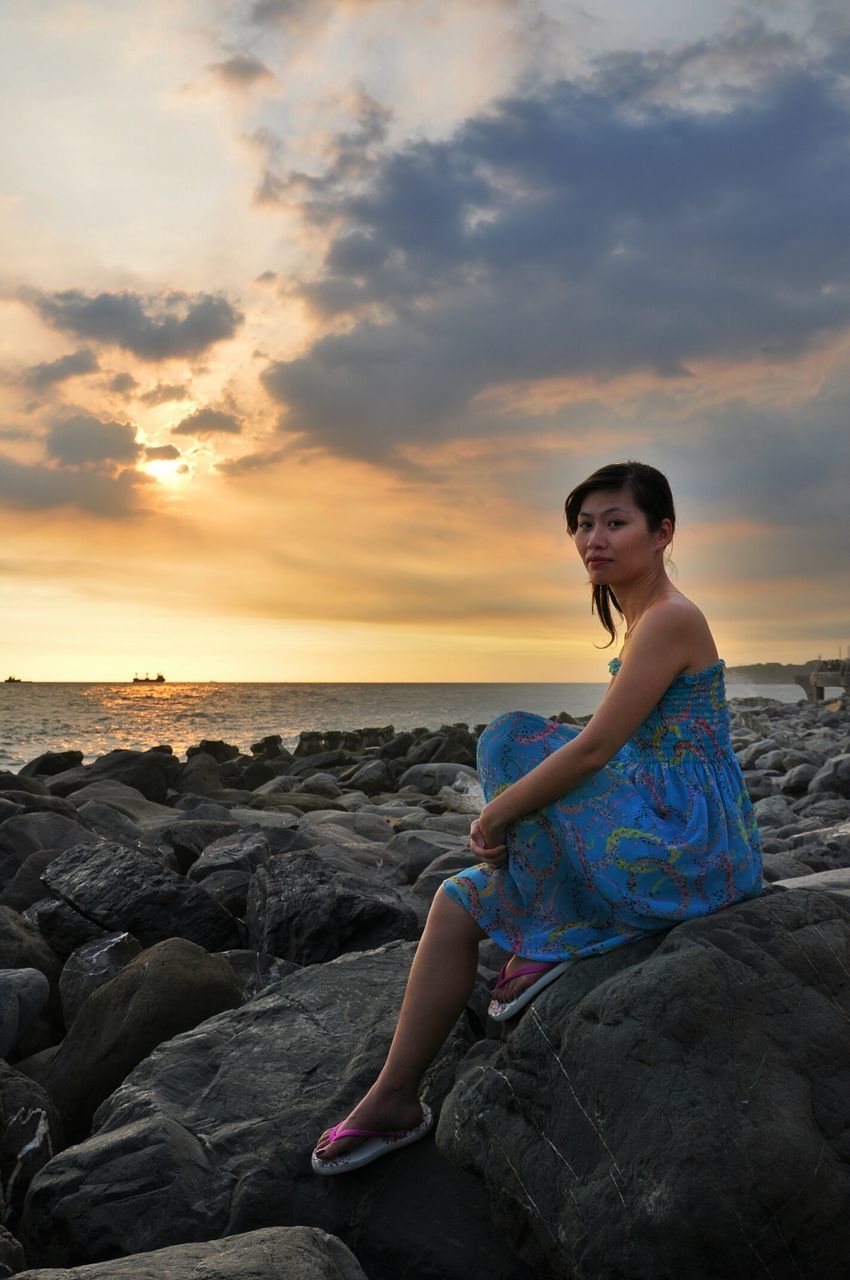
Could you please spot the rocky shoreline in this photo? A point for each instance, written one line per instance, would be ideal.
(201, 965)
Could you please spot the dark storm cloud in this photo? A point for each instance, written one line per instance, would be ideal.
(47, 374)
(161, 453)
(162, 393)
(122, 383)
(586, 230)
(83, 440)
(35, 487)
(206, 422)
(241, 71)
(164, 327)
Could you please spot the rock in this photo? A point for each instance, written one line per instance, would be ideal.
(12, 1260)
(124, 889)
(272, 1253)
(28, 832)
(23, 995)
(321, 784)
(297, 801)
(749, 755)
(309, 909)
(413, 851)
(50, 763)
(17, 783)
(429, 778)
(199, 776)
(220, 751)
(26, 886)
(30, 1133)
(91, 966)
(62, 928)
(151, 772)
(759, 785)
(676, 1108)
(255, 970)
(188, 838)
(796, 781)
(834, 776)
(363, 826)
(23, 947)
(242, 851)
(447, 864)
(110, 822)
(167, 989)
(465, 796)
(123, 798)
(373, 778)
(773, 811)
(212, 1134)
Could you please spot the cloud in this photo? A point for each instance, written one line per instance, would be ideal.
(161, 452)
(162, 393)
(84, 439)
(206, 422)
(14, 433)
(251, 462)
(122, 383)
(36, 487)
(50, 372)
(163, 327)
(241, 71)
(586, 230)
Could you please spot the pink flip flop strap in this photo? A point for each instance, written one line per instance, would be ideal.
(505, 977)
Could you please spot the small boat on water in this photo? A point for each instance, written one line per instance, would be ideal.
(159, 678)
(13, 680)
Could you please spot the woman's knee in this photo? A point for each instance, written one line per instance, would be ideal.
(446, 915)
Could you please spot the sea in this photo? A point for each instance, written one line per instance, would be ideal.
(96, 718)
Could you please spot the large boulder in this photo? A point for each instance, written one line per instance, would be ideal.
(23, 995)
(27, 833)
(430, 778)
(91, 966)
(274, 1253)
(165, 990)
(310, 908)
(677, 1108)
(212, 1134)
(834, 776)
(151, 772)
(122, 889)
(30, 1132)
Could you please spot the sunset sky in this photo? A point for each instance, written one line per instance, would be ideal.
(313, 311)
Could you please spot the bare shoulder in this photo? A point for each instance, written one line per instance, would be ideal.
(676, 618)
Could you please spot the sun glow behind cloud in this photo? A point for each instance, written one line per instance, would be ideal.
(304, 334)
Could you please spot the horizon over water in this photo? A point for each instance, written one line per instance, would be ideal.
(97, 717)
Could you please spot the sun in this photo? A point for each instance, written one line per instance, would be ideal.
(168, 471)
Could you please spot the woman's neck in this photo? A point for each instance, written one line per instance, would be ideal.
(637, 597)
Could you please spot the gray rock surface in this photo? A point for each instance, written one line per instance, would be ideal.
(310, 908)
(167, 989)
(23, 995)
(30, 1132)
(124, 889)
(28, 832)
(151, 772)
(679, 1109)
(91, 966)
(834, 776)
(273, 1253)
(212, 1134)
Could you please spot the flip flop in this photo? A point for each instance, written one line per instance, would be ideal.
(377, 1144)
(548, 973)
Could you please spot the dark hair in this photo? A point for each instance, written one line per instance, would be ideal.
(650, 491)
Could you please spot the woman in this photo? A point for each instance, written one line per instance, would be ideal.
(591, 838)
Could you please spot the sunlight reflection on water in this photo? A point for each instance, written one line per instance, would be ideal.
(97, 718)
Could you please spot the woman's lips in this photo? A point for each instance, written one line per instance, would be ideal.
(597, 560)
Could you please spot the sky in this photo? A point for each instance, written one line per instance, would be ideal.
(313, 311)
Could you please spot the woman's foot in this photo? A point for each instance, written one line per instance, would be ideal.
(511, 995)
(384, 1113)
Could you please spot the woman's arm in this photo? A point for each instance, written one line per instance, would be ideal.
(659, 650)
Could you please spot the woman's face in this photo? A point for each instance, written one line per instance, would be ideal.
(614, 541)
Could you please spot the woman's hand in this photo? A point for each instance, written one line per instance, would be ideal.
(486, 841)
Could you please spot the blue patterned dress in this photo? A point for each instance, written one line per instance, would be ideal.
(663, 833)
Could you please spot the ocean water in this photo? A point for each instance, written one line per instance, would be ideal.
(96, 718)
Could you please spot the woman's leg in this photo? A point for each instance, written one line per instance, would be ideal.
(440, 984)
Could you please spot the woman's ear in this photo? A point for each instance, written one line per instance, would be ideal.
(664, 533)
